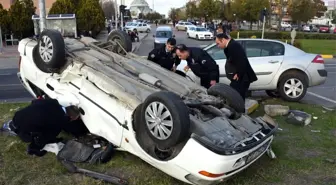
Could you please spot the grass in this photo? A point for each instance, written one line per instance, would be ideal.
(300, 159)
(327, 47)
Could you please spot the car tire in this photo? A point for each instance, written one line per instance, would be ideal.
(49, 53)
(176, 114)
(197, 37)
(272, 93)
(121, 37)
(292, 79)
(232, 97)
(108, 153)
(148, 30)
(188, 35)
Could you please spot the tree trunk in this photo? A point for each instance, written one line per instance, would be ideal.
(251, 24)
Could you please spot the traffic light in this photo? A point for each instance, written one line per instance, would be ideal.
(122, 8)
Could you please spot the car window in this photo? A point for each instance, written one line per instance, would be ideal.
(263, 48)
(144, 24)
(188, 23)
(163, 34)
(139, 24)
(191, 28)
(216, 53)
(201, 29)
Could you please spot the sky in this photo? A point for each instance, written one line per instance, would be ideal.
(161, 6)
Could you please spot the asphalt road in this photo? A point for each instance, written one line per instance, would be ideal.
(11, 89)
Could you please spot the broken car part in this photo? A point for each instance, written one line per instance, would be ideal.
(300, 118)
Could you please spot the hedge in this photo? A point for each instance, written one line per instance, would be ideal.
(284, 35)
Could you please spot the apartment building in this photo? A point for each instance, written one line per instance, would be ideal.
(48, 3)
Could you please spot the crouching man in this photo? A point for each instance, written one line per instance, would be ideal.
(40, 123)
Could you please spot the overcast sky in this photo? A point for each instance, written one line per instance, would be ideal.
(161, 6)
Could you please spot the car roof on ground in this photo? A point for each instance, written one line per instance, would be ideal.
(164, 28)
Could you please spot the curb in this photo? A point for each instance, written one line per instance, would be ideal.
(138, 45)
(328, 56)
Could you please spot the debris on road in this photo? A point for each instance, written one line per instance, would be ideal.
(332, 161)
(329, 108)
(300, 118)
(315, 131)
(269, 120)
(271, 153)
(276, 110)
(315, 117)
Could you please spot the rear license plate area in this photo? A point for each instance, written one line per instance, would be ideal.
(257, 152)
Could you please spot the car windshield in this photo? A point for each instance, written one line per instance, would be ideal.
(163, 34)
(201, 29)
(129, 24)
(188, 23)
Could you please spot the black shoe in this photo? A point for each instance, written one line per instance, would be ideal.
(33, 149)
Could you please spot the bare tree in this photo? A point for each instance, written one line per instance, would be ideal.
(108, 8)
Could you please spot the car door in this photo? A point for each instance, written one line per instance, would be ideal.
(139, 27)
(265, 58)
(192, 32)
(102, 113)
(144, 27)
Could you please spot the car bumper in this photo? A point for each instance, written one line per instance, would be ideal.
(317, 74)
(157, 45)
(205, 38)
(220, 166)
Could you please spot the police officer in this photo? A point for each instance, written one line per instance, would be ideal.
(237, 66)
(41, 122)
(165, 55)
(200, 63)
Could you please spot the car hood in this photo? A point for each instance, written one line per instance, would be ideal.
(204, 32)
(161, 40)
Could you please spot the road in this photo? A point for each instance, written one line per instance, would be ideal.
(11, 89)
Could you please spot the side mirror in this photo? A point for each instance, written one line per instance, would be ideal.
(173, 36)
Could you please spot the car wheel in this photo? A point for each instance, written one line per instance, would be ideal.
(197, 37)
(231, 97)
(148, 30)
(188, 35)
(166, 118)
(108, 153)
(292, 86)
(122, 38)
(185, 29)
(272, 93)
(49, 54)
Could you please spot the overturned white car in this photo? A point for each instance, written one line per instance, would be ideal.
(196, 135)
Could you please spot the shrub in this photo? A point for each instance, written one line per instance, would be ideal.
(284, 35)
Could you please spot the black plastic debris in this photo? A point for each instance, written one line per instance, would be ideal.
(299, 118)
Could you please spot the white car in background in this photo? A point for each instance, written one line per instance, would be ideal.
(140, 27)
(282, 69)
(183, 26)
(285, 25)
(199, 33)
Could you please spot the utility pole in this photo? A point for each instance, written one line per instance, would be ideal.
(264, 20)
(116, 14)
(42, 7)
(1, 46)
(121, 16)
(280, 14)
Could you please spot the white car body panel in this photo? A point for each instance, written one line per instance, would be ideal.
(193, 33)
(270, 68)
(112, 109)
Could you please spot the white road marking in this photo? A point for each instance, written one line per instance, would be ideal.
(6, 74)
(321, 97)
(10, 85)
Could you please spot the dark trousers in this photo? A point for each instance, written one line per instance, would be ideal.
(241, 87)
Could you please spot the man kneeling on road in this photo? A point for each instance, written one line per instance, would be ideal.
(165, 56)
(200, 63)
(41, 122)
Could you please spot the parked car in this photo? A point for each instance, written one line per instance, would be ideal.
(141, 27)
(199, 33)
(282, 69)
(324, 29)
(306, 28)
(196, 135)
(183, 26)
(162, 34)
(285, 25)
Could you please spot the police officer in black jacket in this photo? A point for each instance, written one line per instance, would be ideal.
(165, 55)
(200, 63)
(41, 122)
(237, 66)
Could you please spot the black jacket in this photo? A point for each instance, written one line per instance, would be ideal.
(238, 63)
(43, 117)
(163, 58)
(202, 64)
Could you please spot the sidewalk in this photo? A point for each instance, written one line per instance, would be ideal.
(135, 45)
(9, 52)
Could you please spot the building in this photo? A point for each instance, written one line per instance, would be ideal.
(48, 3)
(276, 11)
(139, 6)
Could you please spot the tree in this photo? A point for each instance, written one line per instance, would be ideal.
(108, 8)
(141, 16)
(332, 15)
(63, 7)
(319, 8)
(210, 8)
(20, 14)
(192, 10)
(4, 20)
(173, 14)
(301, 10)
(153, 16)
(90, 17)
(133, 13)
(228, 13)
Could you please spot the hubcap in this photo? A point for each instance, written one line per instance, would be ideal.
(159, 120)
(46, 49)
(293, 88)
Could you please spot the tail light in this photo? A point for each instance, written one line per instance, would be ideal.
(318, 59)
(19, 63)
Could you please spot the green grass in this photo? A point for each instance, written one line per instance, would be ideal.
(327, 47)
(300, 158)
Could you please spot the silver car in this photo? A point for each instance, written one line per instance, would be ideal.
(162, 34)
(282, 69)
